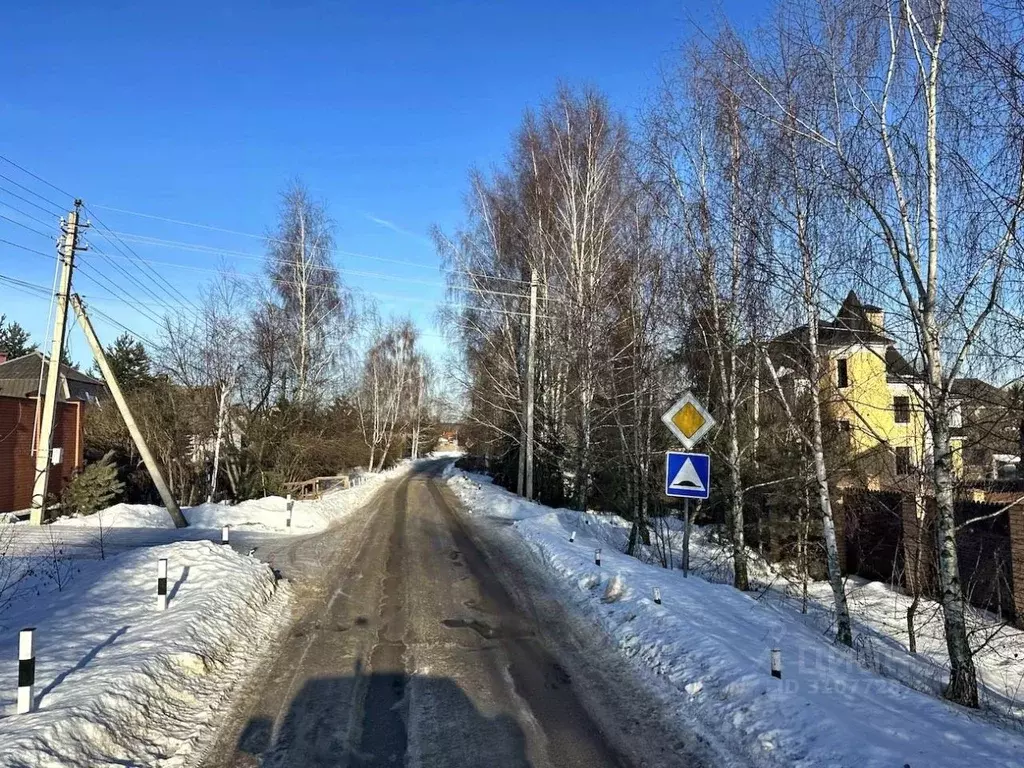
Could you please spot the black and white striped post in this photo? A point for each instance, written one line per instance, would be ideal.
(291, 504)
(161, 585)
(657, 596)
(776, 663)
(224, 535)
(572, 537)
(597, 557)
(26, 670)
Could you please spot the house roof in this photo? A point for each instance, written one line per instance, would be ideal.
(20, 378)
(978, 391)
(831, 334)
(897, 367)
(852, 326)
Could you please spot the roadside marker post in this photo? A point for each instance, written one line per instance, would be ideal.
(572, 537)
(291, 504)
(597, 556)
(777, 663)
(26, 670)
(161, 585)
(224, 535)
(657, 596)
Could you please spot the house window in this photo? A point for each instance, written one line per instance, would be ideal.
(843, 373)
(956, 419)
(903, 466)
(901, 409)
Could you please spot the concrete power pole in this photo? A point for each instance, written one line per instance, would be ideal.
(531, 356)
(44, 445)
(126, 414)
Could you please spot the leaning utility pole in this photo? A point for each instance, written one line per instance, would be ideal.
(531, 355)
(126, 414)
(44, 444)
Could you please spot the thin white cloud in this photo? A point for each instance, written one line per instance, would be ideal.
(387, 224)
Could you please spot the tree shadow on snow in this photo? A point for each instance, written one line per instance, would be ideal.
(361, 720)
(92, 654)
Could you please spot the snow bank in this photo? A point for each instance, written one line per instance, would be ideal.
(118, 682)
(268, 514)
(713, 644)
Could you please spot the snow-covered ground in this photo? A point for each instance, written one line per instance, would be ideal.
(117, 681)
(712, 644)
(266, 514)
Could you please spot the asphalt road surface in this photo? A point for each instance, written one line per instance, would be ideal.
(410, 649)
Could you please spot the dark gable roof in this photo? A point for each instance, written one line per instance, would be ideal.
(24, 371)
(897, 367)
(979, 392)
(833, 334)
(27, 367)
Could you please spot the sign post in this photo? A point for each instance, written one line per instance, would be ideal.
(687, 475)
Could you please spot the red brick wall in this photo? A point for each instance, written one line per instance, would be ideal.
(17, 465)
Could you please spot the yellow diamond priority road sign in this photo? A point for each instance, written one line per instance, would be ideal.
(688, 420)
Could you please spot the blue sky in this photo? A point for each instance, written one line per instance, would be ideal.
(202, 112)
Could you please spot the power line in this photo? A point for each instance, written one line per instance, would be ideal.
(348, 272)
(24, 226)
(38, 178)
(25, 199)
(152, 344)
(30, 250)
(42, 290)
(169, 288)
(98, 277)
(129, 276)
(265, 238)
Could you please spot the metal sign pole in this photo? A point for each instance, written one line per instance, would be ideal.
(686, 538)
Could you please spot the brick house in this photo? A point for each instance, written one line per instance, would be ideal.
(19, 385)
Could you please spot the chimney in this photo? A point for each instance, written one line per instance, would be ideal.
(3, 356)
(875, 319)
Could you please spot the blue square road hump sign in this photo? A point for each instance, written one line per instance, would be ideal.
(687, 475)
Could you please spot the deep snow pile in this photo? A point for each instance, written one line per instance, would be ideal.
(713, 643)
(268, 514)
(118, 682)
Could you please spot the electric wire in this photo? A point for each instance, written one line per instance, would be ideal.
(352, 273)
(265, 238)
(25, 226)
(38, 178)
(167, 286)
(25, 199)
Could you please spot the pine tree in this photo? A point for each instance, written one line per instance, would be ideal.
(14, 339)
(130, 362)
(93, 488)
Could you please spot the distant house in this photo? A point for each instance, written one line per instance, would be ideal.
(871, 395)
(993, 426)
(20, 377)
(19, 387)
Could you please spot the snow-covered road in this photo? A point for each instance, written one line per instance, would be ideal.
(416, 648)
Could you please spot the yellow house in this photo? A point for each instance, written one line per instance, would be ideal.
(871, 397)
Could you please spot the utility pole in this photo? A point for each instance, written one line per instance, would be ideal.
(126, 414)
(531, 355)
(44, 444)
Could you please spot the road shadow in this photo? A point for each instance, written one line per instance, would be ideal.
(361, 721)
(177, 585)
(80, 665)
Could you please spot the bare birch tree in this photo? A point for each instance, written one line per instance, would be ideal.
(300, 265)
